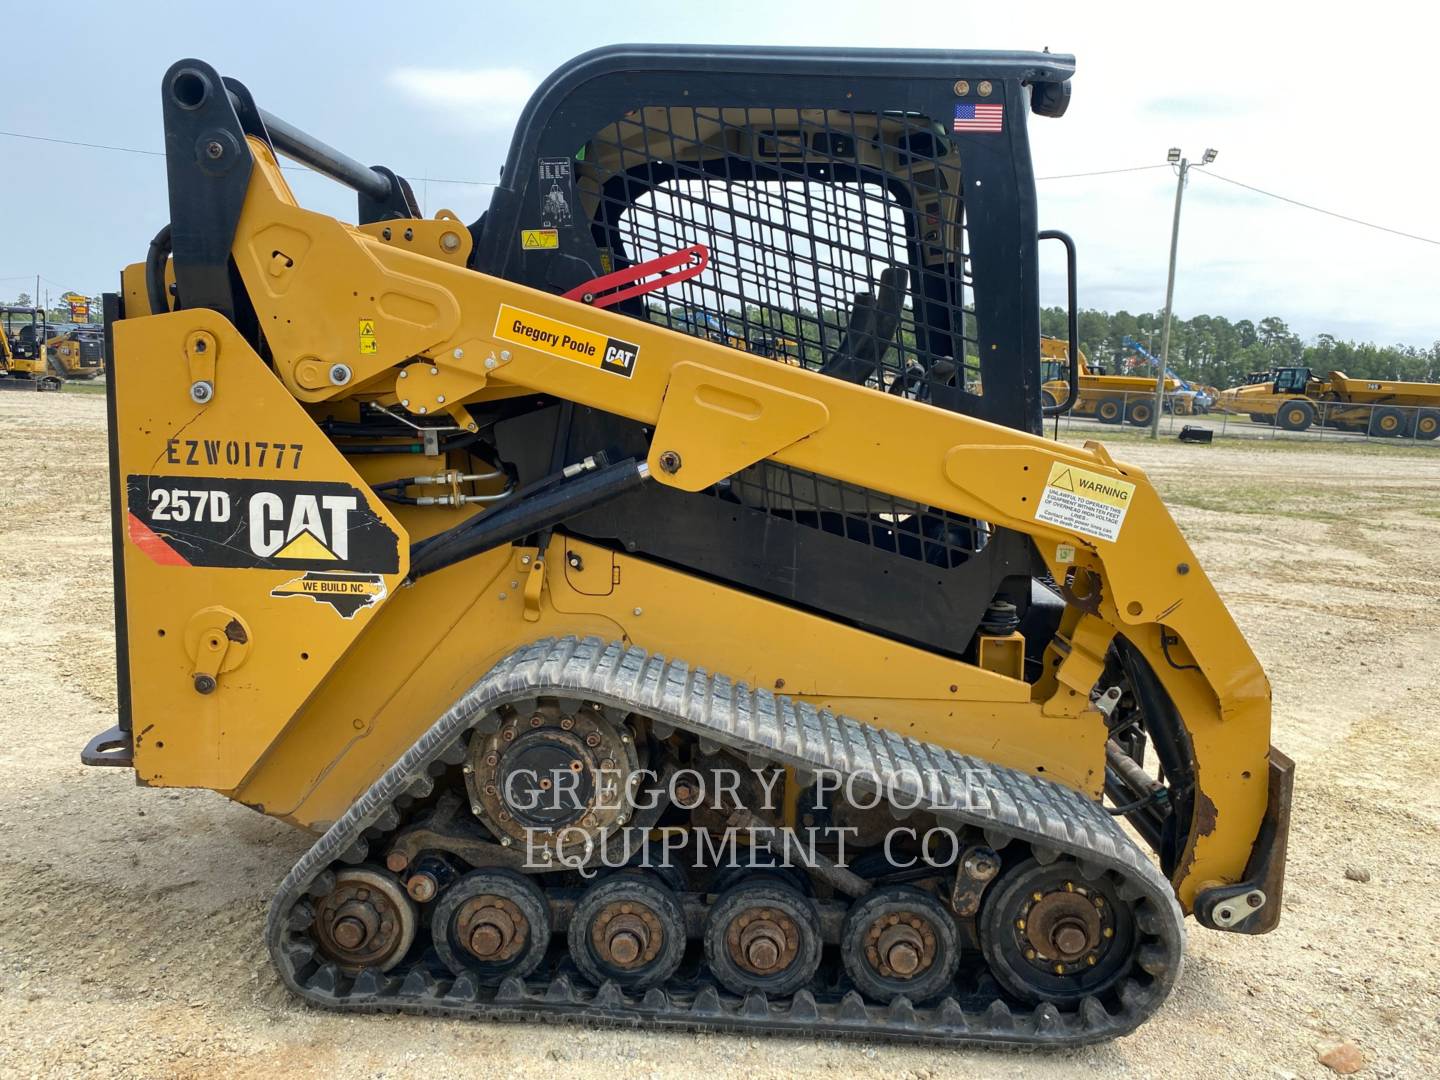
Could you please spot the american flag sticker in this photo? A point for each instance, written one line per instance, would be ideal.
(972, 117)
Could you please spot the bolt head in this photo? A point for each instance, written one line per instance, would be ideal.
(459, 354)
(201, 391)
(491, 362)
(214, 149)
(639, 611)
(339, 374)
(449, 241)
(504, 354)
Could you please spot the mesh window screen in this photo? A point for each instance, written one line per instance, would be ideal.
(837, 243)
(836, 239)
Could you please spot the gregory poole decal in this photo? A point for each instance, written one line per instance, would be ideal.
(1088, 502)
(565, 341)
(265, 524)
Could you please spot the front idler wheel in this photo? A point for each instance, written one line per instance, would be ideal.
(900, 941)
(366, 920)
(763, 936)
(493, 924)
(1051, 934)
(627, 928)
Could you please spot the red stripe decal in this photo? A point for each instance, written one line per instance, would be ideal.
(146, 539)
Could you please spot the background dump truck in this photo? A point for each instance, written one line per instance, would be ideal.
(1295, 398)
(1111, 399)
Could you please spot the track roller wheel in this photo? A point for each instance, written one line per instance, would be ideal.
(762, 867)
(898, 941)
(1051, 934)
(366, 920)
(493, 924)
(627, 928)
(763, 936)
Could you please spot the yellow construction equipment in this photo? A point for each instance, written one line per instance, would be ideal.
(77, 354)
(630, 676)
(1111, 399)
(23, 361)
(1295, 398)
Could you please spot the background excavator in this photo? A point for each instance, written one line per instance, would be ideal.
(628, 675)
(24, 364)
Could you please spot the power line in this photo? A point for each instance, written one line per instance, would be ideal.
(157, 153)
(1322, 210)
(1103, 172)
(87, 145)
(1058, 176)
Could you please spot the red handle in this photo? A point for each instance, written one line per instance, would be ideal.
(692, 261)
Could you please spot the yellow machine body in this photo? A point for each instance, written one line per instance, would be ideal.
(1296, 398)
(243, 681)
(1111, 399)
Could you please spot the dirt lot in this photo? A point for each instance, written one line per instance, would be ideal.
(130, 919)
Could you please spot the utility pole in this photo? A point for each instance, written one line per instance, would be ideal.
(1182, 174)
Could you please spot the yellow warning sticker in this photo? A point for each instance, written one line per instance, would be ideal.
(367, 336)
(1088, 502)
(539, 239)
(566, 341)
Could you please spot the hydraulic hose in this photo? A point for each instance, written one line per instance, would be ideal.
(523, 516)
(155, 259)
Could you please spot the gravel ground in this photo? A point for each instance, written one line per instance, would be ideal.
(130, 919)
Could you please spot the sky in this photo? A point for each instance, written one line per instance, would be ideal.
(1312, 103)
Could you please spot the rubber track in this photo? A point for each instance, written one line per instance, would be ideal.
(1052, 819)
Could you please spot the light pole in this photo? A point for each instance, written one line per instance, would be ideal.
(1182, 173)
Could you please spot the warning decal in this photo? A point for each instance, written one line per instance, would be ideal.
(367, 336)
(1088, 502)
(565, 341)
(557, 193)
(346, 593)
(539, 239)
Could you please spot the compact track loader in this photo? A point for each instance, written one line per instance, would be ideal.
(632, 676)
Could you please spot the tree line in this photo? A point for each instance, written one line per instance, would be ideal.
(1213, 351)
(58, 311)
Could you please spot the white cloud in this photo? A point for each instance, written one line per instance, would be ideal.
(485, 98)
